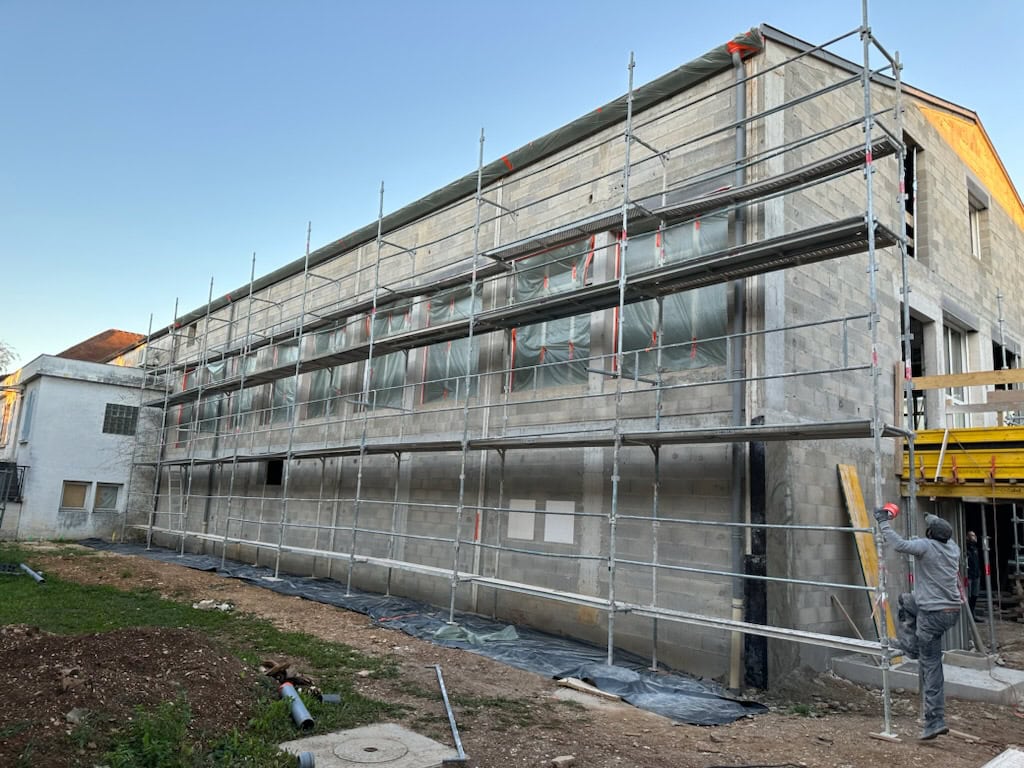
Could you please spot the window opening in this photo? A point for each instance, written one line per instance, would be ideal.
(387, 372)
(325, 385)
(918, 418)
(275, 471)
(73, 495)
(554, 352)
(26, 420)
(106, 497)
(120, 419)
(955, 347)
(693, 323)
(5, 423)
(282, 391)
(910, 168)
(445, 365)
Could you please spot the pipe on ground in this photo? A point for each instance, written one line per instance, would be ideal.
(300, 714)
(37, 576)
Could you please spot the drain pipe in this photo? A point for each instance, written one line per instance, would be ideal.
(37, 576)
(300, 714)
(738, 389)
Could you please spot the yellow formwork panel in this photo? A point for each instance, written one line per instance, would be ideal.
(866, 549)
(973, 459)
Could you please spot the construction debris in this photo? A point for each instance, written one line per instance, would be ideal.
(213, 605)
(578, 685)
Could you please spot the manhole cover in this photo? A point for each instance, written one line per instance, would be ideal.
(371, 750)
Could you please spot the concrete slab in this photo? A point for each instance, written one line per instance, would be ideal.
(385, 744)
(1011, 758)
(995, 685)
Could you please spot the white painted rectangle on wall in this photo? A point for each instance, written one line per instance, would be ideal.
(521, 524)
(559, 523)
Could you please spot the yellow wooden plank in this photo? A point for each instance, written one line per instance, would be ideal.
(972, 379)
(964, 491)
(866, 549)
(967, 435)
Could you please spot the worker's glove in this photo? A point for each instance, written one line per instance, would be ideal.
(882, 515)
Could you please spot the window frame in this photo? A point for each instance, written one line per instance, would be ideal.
(117, 417)
(117, 497)
(65, 485)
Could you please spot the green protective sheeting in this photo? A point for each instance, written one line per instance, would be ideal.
(693, 323)
(554, 352)
(456, 632)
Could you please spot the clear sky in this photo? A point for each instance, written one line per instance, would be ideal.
(147, 147)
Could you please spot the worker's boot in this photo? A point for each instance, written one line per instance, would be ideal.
(937, 728)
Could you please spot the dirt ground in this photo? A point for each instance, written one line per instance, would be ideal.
(507, 719)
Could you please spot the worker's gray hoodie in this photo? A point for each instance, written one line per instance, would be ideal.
(937, 585)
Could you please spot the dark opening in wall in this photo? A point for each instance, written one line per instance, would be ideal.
(275, 471)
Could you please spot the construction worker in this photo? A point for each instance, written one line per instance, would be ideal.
(932, 608)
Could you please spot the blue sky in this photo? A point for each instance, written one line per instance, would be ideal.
(148, 147)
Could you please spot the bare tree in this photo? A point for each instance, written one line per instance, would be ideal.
(7, 355)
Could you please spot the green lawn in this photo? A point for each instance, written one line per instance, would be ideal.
(157, 738)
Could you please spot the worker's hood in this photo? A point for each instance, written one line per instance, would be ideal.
(938, 529)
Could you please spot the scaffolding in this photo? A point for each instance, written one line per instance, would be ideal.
(312, 366)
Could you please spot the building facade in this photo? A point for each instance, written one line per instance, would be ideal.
(67, 436)
(602, 386)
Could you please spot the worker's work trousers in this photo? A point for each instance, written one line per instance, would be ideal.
(920, 634)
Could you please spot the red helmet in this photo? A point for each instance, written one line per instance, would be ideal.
(892, 509)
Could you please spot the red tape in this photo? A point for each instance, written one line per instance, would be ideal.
(507, 162)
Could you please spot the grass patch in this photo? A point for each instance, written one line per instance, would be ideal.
(159, 738)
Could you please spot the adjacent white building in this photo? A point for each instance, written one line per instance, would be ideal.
(67, 432)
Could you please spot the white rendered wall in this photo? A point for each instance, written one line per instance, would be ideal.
(65, 441)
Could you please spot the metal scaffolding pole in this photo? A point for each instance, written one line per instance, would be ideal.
(195, 424)
(162, 439)
(237, 416)
(460, 511)
(367, 371)
(617, 428)
(876, 422)
(293, 421)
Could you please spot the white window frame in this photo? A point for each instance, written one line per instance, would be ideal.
(117, 497)
(86, 486)
(974, 219)
(956, 359)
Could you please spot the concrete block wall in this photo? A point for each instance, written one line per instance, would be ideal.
(802, 484)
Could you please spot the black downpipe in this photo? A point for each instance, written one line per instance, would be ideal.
(736, 374)
(755, 647)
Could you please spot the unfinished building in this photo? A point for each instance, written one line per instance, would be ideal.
(602, 385)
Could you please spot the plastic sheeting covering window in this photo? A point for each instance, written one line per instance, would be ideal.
(325, 385)
(282, 395)
(445, 366)
(387, 372)
(210, 406)
(555, 352)
(676, 696)
(693, 323)
(240, 402)
(186, 411)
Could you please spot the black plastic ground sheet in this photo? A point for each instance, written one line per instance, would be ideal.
(676, 696)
